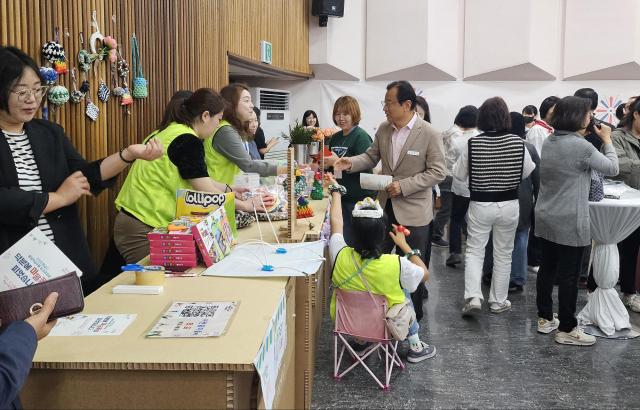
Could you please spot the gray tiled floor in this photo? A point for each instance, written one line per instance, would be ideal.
(492, 361)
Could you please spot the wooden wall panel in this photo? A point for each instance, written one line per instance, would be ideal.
(183, 45)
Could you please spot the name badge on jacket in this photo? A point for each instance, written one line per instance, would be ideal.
(414, 153)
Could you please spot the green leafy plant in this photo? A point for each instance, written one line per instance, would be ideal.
(298, 134)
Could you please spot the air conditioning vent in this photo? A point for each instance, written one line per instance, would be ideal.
(274, 100)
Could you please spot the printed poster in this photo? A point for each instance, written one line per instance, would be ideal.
(194, 319)
(269, 357)
(92, 325)
(33, 259)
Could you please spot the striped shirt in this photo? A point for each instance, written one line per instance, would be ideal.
(27, 170)
(495, 167)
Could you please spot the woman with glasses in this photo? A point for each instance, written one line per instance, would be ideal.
(41, 173)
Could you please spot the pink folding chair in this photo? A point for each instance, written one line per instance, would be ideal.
(362, 315)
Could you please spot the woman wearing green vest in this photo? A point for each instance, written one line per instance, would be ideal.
(226, 154)
(147, 199)
(389, 275)
(350, 141)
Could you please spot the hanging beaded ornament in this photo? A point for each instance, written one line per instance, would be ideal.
(103, 92)
(126, 98)
(117, 90)
(53, 51)
(60, 67)
(76, 96)
(140, 84)
(92, 110)
(48, 75)
(58, 95)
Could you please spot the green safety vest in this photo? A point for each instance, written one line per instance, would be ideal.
(149, 192)
(383, 276)
(220, 168)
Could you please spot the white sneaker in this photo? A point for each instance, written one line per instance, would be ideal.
(576, 337)
(496, 307)
(472, 306)
(533, 269)
(631, 301)
(547, 326)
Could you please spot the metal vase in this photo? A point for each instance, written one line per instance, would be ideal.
(314, 148)
(301, 153)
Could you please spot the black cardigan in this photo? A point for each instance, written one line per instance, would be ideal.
(20, 210)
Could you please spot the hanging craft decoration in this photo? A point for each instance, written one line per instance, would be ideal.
(96, 35)
(60, 67)
(85, 87)
(53, 53)
(92, 110)
(76, 96)
(110, 49)
(48, 75)
(126, 98)
(85, 59)
(117, 91)
(103, 92)
(140, 84)
(58, 95)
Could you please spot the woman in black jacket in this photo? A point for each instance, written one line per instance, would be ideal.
(41, 174)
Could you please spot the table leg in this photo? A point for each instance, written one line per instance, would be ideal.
(604, 308)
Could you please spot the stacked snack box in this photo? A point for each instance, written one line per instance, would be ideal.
(174, 247)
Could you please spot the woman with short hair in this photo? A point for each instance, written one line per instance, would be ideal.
(495, 162)
(350, 141)
(562, 213)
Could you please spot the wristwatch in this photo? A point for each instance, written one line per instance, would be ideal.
(413, 252)
(338, 188)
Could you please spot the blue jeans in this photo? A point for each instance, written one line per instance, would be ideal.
(518, 258)
(414, 326)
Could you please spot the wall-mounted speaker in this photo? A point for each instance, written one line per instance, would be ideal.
(327, 8)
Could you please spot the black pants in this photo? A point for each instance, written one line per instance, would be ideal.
(628, 250)
(444, 213)
(459, 208)
(534, 254)
(420, 238)
(561, 263)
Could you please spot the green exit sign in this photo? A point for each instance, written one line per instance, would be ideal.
(266, 52)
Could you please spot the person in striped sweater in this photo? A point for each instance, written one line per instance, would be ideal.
(42, 176)
(494, 164)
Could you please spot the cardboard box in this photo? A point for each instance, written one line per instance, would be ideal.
(131, 371)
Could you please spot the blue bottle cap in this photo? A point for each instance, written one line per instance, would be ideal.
(281, 250)
(267, 268)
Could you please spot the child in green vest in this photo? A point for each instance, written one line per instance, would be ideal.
(389, 275)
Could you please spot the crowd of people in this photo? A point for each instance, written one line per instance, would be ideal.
(514, 184)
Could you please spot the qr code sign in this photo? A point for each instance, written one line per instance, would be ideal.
(199, 311)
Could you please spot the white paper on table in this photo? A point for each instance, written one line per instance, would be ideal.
(271, 352)
(33, 259)
(615, 189)
(194, 319)
(247, 260)
(93, 325)
(375, 182)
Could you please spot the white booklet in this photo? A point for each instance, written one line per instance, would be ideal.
(33, 259)
(194, 319)
(375, 182)
(92, 325)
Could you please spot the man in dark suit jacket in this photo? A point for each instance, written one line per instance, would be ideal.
(18, 344)
(412, 152)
